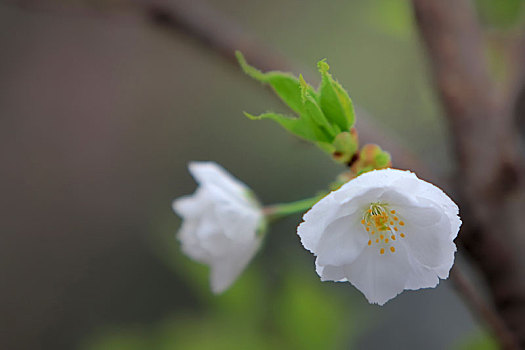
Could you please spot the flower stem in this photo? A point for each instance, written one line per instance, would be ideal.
(281, 210)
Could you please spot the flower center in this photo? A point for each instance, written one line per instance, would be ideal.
(383, 226)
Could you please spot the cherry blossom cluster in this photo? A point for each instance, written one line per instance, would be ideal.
(382, 229)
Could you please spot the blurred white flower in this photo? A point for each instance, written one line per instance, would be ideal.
(384, 231)
(220, 223)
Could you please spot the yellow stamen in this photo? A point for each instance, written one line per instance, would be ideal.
(395, 228)
(392, 249)
(382, 251)
(401, 223)
(393, 211)
(402, 235)
(369, 242)
(393, 237)
(386, 240)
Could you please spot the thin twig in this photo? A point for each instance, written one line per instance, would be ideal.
(476, 302)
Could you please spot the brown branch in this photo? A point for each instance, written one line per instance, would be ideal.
(473, 298)
(219, 34)
(515, 59)
(490, 173)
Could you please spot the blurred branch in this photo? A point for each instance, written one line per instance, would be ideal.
(476, 302)
(221, 35)
(516, 84)
(490, 180)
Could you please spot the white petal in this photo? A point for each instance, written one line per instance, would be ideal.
(238, 222)
(212, 174)
(211, 236)
(343, 240)
(379, 178)
(379, 277)
(428, 192)
(329, 209)
(190, 206)
(430, 245)
(421, 276)
(315, 222)
(226, 269)
(190, 243)
(330, 273)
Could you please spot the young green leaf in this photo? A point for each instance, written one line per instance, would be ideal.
(313, 111)
(285, 85)
(302, 127)
(334, 100)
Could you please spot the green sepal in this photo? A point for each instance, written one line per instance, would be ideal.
(345, 146)
(371, 157)
(334, 100)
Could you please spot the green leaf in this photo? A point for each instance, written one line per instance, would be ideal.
(334, 100)
(303, 127)
(313, 111)
(285, 85)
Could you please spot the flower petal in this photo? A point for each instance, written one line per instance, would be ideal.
(425, 191)
(238, 222)
(226, 269)
(421, 277)
(329, 209)
(330, 273)
(379, 277)
(430, 245)
(342, 242)
(190, 244)
(212, 174)
(190, 206)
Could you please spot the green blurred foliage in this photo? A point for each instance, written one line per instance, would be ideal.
(503, 14)
(255, 313)
(392, 17)
(478, 341)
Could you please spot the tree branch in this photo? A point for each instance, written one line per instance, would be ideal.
(490, 173)
(219, 34)
(476, 302)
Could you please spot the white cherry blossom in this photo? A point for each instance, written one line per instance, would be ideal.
(220, 224)
(384, 231)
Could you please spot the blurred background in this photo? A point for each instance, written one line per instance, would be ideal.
(100, 112)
